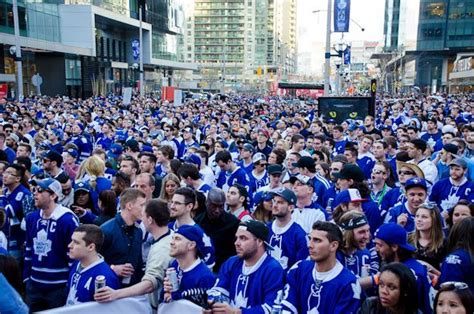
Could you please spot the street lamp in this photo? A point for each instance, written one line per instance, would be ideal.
(327, 55)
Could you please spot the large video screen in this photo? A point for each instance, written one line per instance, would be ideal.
(342, 108)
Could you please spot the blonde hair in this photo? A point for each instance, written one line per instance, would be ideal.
(94, 167)
(168, 177)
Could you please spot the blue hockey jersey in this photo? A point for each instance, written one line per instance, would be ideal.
(81, 283)
(209, 253)
(252, 289)
(289, 243)
(227, 179)
(426, 292)
(197, 277)
(446, 194)
(46, 252)
(307, 291)
(357, 260)
(18, 204)
(458, 266)
(396, 211)
(366, 162)
(258, 182)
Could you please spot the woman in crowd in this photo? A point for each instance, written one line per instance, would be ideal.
(263, 207)
(454, 297)
(428, 237)
(459, 264)
(324, 170)
(170, 184)
(83, 203)
(397, 292)
(92, 171)
(277, 156)
(461, 210)
(354, 254)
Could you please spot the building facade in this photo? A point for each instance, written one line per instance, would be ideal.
(241, 43)
(89, 47)
(426, 39)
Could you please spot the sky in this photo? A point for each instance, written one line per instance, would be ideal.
(369, 14)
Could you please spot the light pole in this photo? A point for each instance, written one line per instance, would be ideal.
(142, 88)
(327, 55)
(19, 66)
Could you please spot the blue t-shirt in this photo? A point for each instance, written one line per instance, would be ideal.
(308, 291)
(81, 283)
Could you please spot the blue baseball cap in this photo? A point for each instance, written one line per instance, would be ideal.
(286, 194)
(195, 234)
(115, 150)
(49, 184)
(416, 182)
(72, 152)
(262, 197)
(193, 159)
(393, 233)
(347, 196)
(82, 186)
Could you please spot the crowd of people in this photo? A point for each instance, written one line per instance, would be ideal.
(239, 204)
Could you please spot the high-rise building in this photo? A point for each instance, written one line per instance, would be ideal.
(85, 47)
(239, 42)
(427, 40)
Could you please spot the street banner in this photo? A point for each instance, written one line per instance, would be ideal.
(347, 55)
(136, 49)
(342, 10)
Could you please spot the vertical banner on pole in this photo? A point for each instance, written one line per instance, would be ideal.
(347, 55)
(342, 10)
(136, 49)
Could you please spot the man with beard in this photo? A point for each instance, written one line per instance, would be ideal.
(220, 225)
(287, 238)
(392, 246)
(251, 279)
(48, 233)
(322, 284)
(416, 192)
(447, 192)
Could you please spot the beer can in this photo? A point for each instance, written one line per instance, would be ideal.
(365, 271)
(173, 278)
(99, 282)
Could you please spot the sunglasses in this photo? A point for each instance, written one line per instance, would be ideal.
(429, 205)
(41, 190)
(406, 173)
(454, 285)
(378, 172)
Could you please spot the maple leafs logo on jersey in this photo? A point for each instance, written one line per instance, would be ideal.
(41, 244)
(449, 203)
(240, 300)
